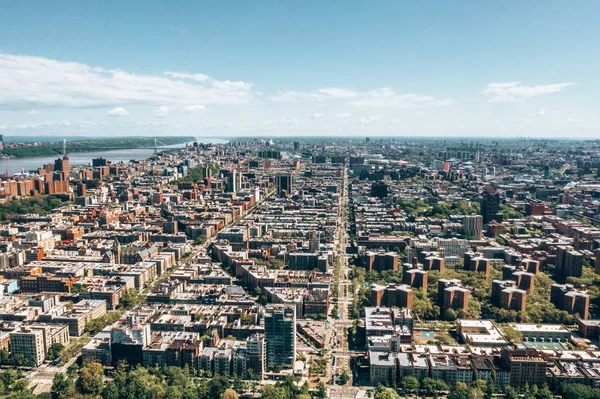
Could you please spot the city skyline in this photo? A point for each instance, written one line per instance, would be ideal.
(299, 69)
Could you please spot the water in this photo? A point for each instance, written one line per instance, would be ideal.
(15, 165)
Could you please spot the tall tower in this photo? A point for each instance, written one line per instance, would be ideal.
(62, 165)
(280, 336)
(284, 184)
(490, 206)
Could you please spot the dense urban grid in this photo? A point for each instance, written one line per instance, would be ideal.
(299, 268)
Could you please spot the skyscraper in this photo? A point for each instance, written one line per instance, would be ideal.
(472, 226)
(280, 336)
(62, 165)
(568, 262)
(490, 206)
(284, 184)
(234, 181)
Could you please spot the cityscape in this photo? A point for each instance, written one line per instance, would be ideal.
(269, 199)
(329, 268)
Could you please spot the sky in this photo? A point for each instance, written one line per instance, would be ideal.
(300, 68)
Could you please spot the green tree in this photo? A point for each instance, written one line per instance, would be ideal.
(510, 393)
(55, 351)
(344, 377)
(272, 392)
(460, 391)
(110, 391)
(321, 391)
(386, 393)
(20, 385)
(410, 384)
(62, 386)
(229, 394)
(544, 393)
(511, 334)
(91, 379)
(579, 391)
(131, 299)
(218, 384)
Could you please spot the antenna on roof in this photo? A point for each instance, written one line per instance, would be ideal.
(64, 147)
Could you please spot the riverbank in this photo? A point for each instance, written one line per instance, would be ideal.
(52, 148)
(17, 165)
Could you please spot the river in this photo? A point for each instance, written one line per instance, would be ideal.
(15, 165)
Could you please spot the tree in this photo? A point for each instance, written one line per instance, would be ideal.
(450, 315)
(510, 393)
(131, 299)
(386, 393)
(320, 391)
(579, 391)
(432, 385)
(410, 384)
(217, 385)
(9, 377)
(344, 377)
(445, 338)
(512, 335)
(20, 385)
(544, 393)
(110, 391)
(272, 392)
(460, 391)
(55, 351)
(91, 378)
(62, 386)
(229, 394)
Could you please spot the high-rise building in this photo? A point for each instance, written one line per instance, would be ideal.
(62, 165)
(234, 181)
(506, 295)
(314, 241)
(473, 226)
(284, 184)
(391, 295)
(490, 206)
(567, 297)
(379, 190)
(452, 295)
(526, 366)
(256, 354)
(280, 336)
(568, 263)
(29, 343)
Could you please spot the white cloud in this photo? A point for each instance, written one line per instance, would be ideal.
(575, 120)
(519, 92)
(194, 108)
(368, 120)
(343, 115)
(198, 77)
(379, 98)
(336, 92)
(541, 112)
(27, 81)
(33, 112)
(119, 111)
(162, 112)
(316, 115)
(291, 96)
(388, 98)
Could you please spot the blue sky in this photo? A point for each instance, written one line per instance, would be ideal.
(232, 68)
